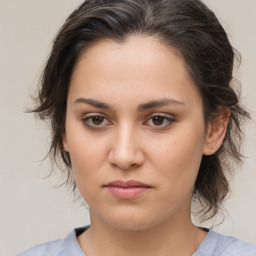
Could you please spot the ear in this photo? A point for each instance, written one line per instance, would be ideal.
(216, 131)
(64, 142)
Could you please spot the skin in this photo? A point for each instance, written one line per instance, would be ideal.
(125, 142)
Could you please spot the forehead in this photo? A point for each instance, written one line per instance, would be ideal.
(141, 51)
(140, 65)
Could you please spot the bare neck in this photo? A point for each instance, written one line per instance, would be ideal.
(169, 238)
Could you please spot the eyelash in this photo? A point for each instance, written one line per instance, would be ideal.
(87, 121)
(166, 118)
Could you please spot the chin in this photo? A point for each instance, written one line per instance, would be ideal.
(129, 225)
(132, 220)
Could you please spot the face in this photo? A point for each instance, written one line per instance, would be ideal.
(135, 133)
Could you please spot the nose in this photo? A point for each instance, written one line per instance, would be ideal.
(126, 151)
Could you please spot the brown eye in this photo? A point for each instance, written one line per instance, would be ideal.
(158, 120)
(97, 120)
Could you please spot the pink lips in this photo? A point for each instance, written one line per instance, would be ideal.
(127, 189)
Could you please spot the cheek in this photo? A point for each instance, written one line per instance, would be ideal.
(177, 166)
(82, 145)
(87, 160)
(178, 157)
(87, 156)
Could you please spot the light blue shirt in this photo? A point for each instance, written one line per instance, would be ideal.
(214, 244)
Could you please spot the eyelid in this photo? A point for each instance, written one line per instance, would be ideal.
(92, 114)
(87, 117)
(168, 117)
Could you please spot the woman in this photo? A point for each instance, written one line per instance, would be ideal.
(144, 117)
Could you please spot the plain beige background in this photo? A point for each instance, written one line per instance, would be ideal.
(31, 210)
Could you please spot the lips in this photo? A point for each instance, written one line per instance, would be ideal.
(127, 189)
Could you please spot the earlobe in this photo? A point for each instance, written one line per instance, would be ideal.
(216, 133)
(64, 142)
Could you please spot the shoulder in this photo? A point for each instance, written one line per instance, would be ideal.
(231, 246)
(67, 246)
(51, 248)
(216, 244)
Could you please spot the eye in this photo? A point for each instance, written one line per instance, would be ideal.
(161, 121)
(95, 121)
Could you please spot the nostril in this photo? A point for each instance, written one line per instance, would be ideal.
(124, 166)
(126, 160)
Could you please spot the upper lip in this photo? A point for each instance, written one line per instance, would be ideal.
(126, 184)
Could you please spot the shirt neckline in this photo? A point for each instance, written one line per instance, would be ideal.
(205, 248)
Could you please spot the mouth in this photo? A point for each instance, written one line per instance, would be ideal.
(127, 189)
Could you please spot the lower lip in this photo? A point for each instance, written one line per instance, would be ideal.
(127, 192)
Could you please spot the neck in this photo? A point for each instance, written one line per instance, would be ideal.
(171, 237)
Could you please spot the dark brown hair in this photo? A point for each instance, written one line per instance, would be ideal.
(186, 25)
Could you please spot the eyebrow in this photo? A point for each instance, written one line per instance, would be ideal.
(141, 107)
(92, 102)
(158, 103)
